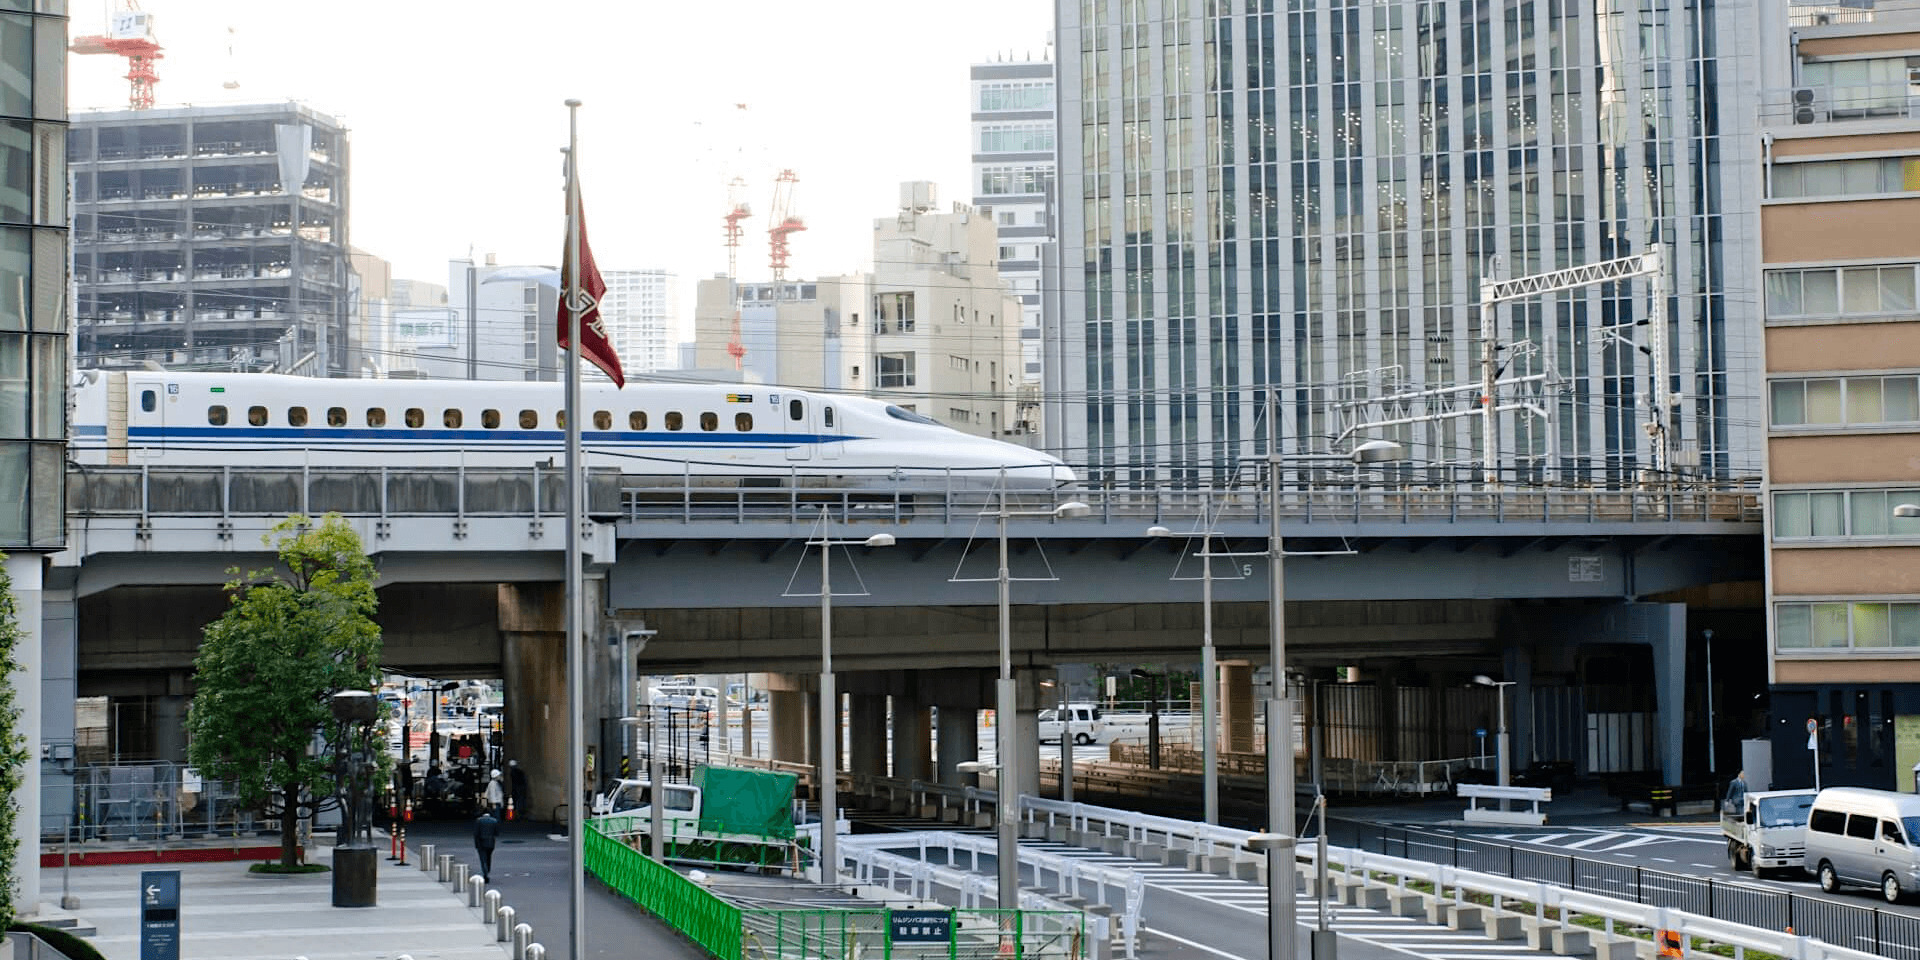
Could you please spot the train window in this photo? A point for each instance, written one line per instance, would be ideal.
(827, 414)
(490, 419)
(217, 415)
(149, 401)
(296, 416)
(602, 420)
(452, 418)
(743, 422)
(416, 417)
(336, 416)
(529, 419)
(560, 419)
(709, 421)
(376, 417)
(796, 410)
(257, 416)
(673, 420)
(637, 420)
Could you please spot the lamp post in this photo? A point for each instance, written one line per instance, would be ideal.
(1500, 737)
(829, 708)
(1065, 714)
(433, 722)
(1006, 703)
(1281, 944)
(1153, 715)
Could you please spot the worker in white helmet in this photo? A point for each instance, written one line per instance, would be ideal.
(496, 792)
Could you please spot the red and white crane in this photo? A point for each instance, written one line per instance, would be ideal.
(737, 210)
(129, 34)
(782, 223)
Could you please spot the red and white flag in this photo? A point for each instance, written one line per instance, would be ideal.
(593, 330)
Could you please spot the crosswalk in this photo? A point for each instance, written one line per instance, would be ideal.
(1595, 841)
(1405, 934)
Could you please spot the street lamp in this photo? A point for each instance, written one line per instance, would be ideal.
(1153, 715)
(1066, 740)
(1006, 702)
(1500, 738)
(1280, 909)
(829, 774)
(1209, 667)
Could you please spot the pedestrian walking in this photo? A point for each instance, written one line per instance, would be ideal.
(486, 833)
(1737, 793)
(496, 794)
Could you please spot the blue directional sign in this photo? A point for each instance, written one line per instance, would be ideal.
(160, 915)
(920, 926)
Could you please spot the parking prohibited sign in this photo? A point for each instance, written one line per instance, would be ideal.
(920, 926)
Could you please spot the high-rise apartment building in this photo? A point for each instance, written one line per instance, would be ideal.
(493, 323)
(1841, 257)
(641, 309)
(1013, 169)
(213, 237)
(1306, 196)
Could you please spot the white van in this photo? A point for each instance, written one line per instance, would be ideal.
(683, 695)
(1082, 721)
(1868, 838)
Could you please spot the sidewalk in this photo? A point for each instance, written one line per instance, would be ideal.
(227, 912)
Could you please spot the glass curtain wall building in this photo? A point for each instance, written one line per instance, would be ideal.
(1308, 193)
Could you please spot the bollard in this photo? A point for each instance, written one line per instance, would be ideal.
(522, 938)
(426, 857)
(502, 923)
(459, 878)
(493, 907)
(536, 952)
(474, 886)
(446, 867)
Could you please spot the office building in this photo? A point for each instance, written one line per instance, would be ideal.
(642, 309)
(1013, 169)
(801, 333)
(1308, 199)
(496, 324)
(213, 238)
(1842, 175)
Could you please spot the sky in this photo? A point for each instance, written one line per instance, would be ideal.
(457, 115)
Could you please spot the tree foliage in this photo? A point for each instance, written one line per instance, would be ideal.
(291, 638)
(13, 750)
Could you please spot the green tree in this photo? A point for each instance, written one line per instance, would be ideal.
(291, 638)
(13, 750)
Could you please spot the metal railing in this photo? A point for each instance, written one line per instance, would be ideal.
(1808, 105)
(824, 934)
(1039, 928)
(143, 491)
(705, 919)
(1886, 932)
(144, 801)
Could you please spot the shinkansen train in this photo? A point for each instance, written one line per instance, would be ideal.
(712, 432)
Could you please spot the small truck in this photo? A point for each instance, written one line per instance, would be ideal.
(726, 816)
(1083, 723)
(1768, 832)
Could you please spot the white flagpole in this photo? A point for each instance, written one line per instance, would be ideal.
(576, 607)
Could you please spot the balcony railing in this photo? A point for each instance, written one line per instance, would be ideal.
(1797, 106)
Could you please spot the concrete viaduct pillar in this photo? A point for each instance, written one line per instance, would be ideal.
(867, 733)
(789, 717)
(1236, 706)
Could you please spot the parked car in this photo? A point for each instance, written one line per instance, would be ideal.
(1083, 722)
(1868, 838)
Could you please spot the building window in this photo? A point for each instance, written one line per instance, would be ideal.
(1845, 401)
(709, 421)
(893, 312)
(1016, 138)
(1843, 292)
(743, 422)
(453, 418)
(896, 369)
(217, 415)
(490, 419)
(416, 418)
(856, 372)
(376, 417)
(1843, 625)
(1846, 178)
(674, 420)
(296, 416)
(1016, 95)
(1014, 180)
(1816, 514)
(637, 420)
(336, 416)
(257, 416)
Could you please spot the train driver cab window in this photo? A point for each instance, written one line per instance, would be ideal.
(149, 401)
(826, 414)
(529, 419)
(743, 422)
(415, 418)
(256, 416)
(336, 416)
(453, 418)
(602, 420)
(376, 417)
(709, 421)
(796, 410)
(674, 420)
(637, 420)
(296, 416)
(217, 415)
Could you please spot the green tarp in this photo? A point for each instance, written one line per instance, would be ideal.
(736, 800)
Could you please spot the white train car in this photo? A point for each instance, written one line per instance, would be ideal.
(711, 432)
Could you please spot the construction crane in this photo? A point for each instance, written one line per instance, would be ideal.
(782, 224)
(130, 35)
(737, 210)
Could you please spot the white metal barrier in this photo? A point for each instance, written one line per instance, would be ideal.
(1532, 817)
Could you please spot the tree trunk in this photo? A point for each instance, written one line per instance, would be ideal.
(290, 827)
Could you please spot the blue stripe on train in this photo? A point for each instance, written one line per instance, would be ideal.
(406, 435)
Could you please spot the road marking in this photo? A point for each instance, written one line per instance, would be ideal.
(1590, 841)
(1663, 859)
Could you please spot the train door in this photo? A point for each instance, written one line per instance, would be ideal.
(799, 430)
(829, 434)
(147, 416)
